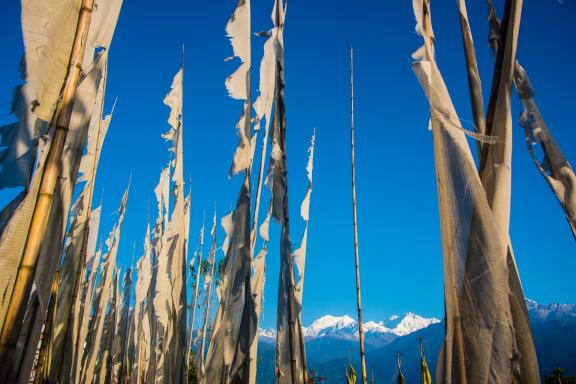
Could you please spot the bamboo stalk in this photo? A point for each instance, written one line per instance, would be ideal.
(302, 350)
(200, 372)
(497, 76)
(248, 299)
(195, 298)
(43, 358)
(181, 320)
(122, 375)
(474, 84)
(355, 223)
(27, 268)
(258, 191)
(109, 361)
(279, 117)
(70, 329)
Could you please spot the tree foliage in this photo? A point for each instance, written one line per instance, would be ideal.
(192, 379)
(557, 377)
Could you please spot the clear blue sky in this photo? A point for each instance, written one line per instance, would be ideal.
(397, 201)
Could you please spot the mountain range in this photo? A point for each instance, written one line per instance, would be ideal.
(331, 340)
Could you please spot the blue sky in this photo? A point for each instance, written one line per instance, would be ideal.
(397, 201)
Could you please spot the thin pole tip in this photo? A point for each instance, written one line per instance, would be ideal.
(114, 105)
(182, 55)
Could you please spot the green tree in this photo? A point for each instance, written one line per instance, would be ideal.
(192, 379)
(557, 377)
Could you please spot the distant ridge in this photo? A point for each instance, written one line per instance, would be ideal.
(330, 339)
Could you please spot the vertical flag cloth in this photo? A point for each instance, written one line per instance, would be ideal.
(164, 312)
(103, 372)
(289, 356)
(141, 327)
(155, 304)
(208, 284)
(238, 83)
(103, 298)
(401, 379)
(300, 253)
(426, 377)
(234, 329)
(14, 231)
(102, 26)
(480, 335)
(15, 220)
(120, 340)
(176, 235)
(257, 285)
(474, 83)
(64, 332)
(230, 343)
(496, 159)
(48, 28)
(50, 249)
(82, 114)
(350, 374)
(196, 285)
(214, 355)
(19, 140)
(502, 39)
(86, 300)
(554, 167)
(263, 110)
(48, 31)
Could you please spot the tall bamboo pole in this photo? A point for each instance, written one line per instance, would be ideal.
(109, 361)
(27, 268)
(248, 298)
(195, 298)
(181, 318)
(42, 365)
(280, 118)
(200, 372)
(357, 258)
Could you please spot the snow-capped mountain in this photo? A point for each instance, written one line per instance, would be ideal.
(400, 326)
(330, 340)
(345, 327)
(561, 312)
(330, 325)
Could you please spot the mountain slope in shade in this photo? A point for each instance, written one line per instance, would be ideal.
(553, 325)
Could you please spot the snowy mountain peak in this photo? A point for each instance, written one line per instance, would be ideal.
(267, 333)
(329, 321)
(411, 323)
(345, 327)
(553, 311)
(329, 324)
